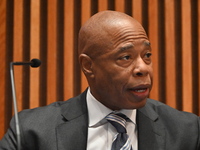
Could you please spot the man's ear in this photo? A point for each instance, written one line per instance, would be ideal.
(86, 64)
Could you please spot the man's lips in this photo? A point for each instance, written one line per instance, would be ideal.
(140, 87)
(141, 91)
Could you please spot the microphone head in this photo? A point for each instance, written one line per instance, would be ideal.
(35, 63)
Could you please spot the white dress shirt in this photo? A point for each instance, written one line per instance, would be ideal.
(100, 131)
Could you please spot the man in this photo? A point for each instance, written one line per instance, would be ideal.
(115, 56)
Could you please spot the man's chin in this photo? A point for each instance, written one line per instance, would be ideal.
(139, 104)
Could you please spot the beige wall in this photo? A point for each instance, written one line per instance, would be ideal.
(47, 29)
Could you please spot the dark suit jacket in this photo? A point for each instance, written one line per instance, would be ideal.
(63, 126)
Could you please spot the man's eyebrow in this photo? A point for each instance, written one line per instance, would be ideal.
(126, 47)
(147, 43)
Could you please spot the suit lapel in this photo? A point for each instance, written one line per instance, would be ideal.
(72, 133)
(151, 133)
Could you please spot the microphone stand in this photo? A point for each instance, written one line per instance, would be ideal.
(33, 63)
(15, 108)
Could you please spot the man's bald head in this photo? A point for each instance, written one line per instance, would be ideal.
(115, 56)
(95, 36)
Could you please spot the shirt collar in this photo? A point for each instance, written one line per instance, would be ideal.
(95, 106)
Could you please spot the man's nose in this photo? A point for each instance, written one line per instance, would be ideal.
(140, 68)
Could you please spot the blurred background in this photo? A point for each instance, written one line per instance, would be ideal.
(48, 30)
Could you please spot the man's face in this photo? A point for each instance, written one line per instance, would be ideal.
(123, 74)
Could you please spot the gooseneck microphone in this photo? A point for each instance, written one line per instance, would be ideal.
(33, 63)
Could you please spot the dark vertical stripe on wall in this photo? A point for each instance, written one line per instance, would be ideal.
(128, 7)
(43, 53)
(77, 25)
(161, 51)
(178, 48)
(145, 18)
(111, 5)
(26, 53)
(60, 50)
(9, 58)
(94, 7)
(195, 56)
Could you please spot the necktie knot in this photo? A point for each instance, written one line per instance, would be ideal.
(121, 141)
(118, 121)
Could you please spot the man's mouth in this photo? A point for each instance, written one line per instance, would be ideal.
(140, 90)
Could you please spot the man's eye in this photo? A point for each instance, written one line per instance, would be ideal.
(125, 57)
(148, 55)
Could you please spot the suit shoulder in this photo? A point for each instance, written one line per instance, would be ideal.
(55, 106)
(48, 112)
(43, 109)
(165, 110)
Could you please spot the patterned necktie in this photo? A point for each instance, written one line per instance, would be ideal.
(121, 141)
